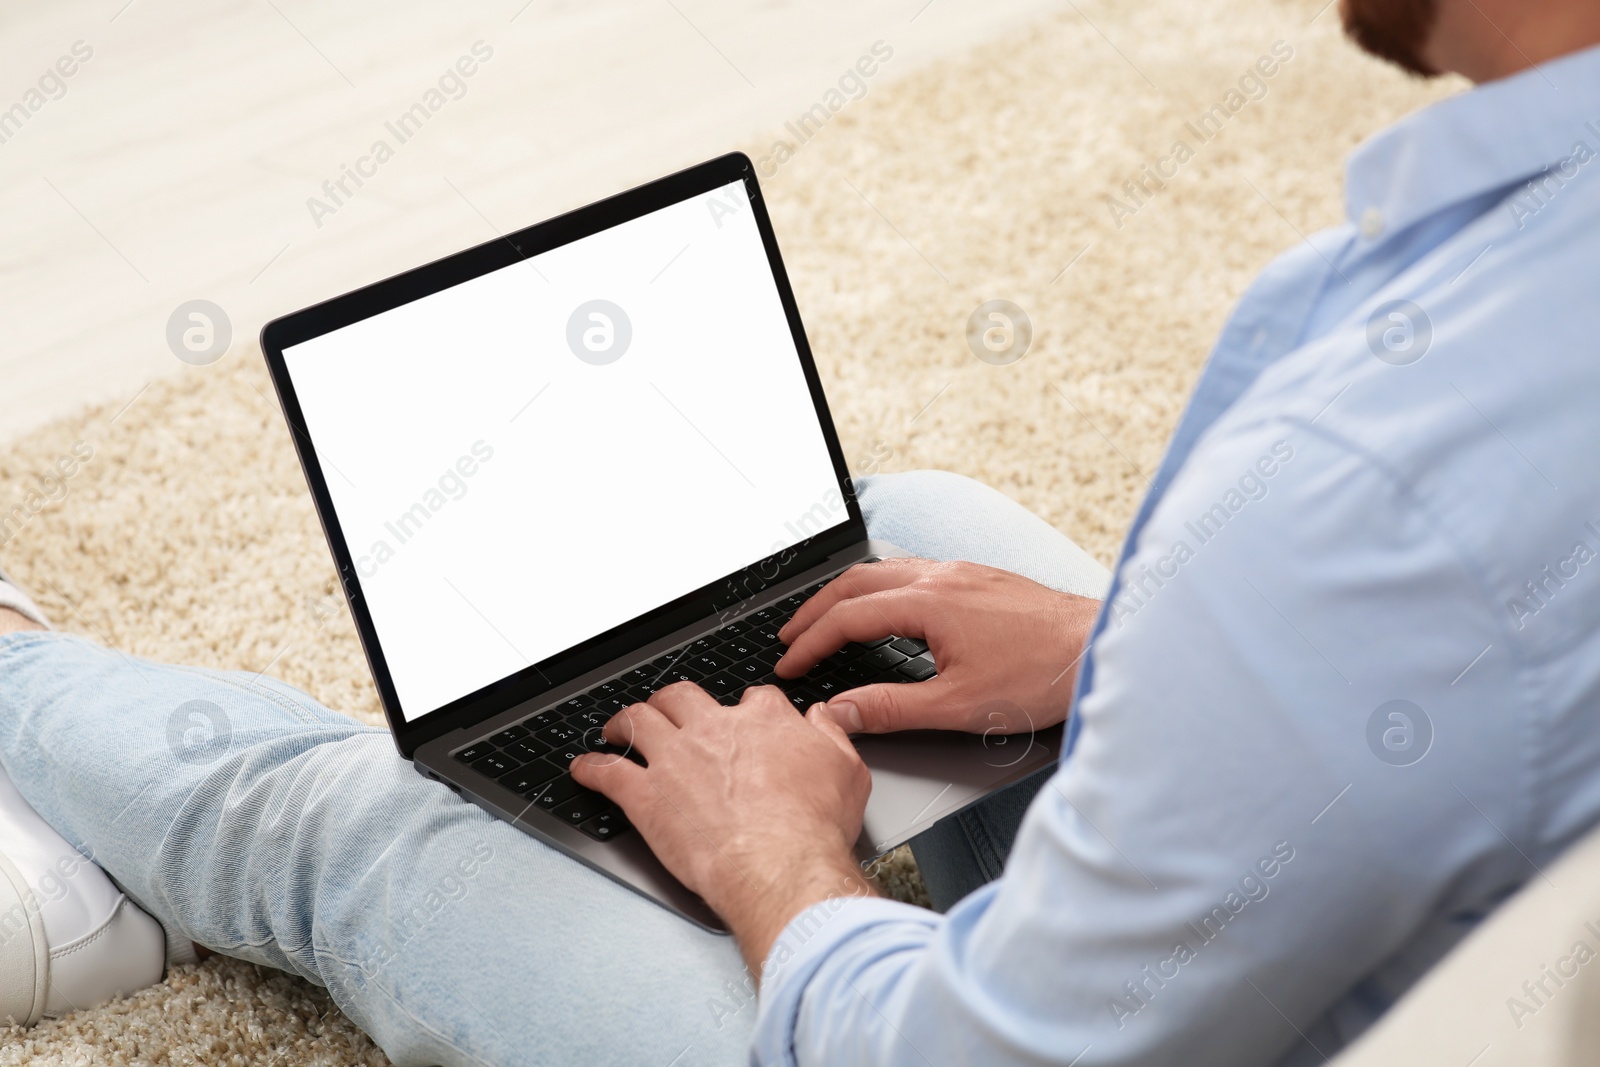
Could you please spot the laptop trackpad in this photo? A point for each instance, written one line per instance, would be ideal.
(920, 776)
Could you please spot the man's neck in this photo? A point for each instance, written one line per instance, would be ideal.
(1486, 40)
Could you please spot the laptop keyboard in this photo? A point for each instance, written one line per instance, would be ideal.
(531, 757)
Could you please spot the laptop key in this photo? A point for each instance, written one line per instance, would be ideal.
(749, 671)
(918, 670)
(496, 764)
(739, 648)
(710, 662)
(552, 717)
(606, 825)
(832, 667)
(769, 656)
(565, 754)
(731, 700)
(802, 700)
(581, 807)
(546, 768)
(508, 735)
(724, 683)
(526, 778)
(825, 688)
(560, 734)
(576, 716)
(855, 674)
(529, 748)
(473, 753)
(910, 646)
(592, 739)
(882, 658)
(594, 718)
(562, 789)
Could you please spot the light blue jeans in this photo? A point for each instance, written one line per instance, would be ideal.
(298, 839)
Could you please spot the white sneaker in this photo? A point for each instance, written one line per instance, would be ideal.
(13, 596)
(69, 938)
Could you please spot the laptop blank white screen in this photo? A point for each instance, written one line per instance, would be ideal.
(530, 458)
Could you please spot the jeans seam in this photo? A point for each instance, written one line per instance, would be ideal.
(301, 713)
(388, 995)
(21, 639)
(984, 847)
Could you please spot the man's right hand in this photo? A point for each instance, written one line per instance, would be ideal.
(1007, 648)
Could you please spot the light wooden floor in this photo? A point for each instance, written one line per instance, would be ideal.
(179, 160)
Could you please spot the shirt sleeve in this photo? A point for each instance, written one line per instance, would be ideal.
(1286, 796)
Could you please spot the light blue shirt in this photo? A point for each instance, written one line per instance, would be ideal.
(1345, 696)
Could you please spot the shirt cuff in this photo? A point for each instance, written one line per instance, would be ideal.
(801, 950)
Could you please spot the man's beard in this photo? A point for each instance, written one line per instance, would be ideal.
(1396, 30)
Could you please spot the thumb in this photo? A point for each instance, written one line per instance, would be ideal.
(818, 716)
(890, 706)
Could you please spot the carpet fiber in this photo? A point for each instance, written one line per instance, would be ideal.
(189, 536)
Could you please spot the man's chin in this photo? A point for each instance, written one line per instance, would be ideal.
(1392, 30)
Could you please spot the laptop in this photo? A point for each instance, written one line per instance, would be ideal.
(562, 469)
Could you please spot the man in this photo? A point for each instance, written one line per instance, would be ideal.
(1339, 703)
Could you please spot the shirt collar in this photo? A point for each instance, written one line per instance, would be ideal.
(1484, 139)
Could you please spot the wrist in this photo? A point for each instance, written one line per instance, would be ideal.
(758, 909)
(1071, 623)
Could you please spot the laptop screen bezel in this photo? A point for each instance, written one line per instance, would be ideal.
(545, 676)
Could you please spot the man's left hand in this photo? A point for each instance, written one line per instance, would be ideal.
(754, 807)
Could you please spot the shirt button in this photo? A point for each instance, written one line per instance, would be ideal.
(1371, 222)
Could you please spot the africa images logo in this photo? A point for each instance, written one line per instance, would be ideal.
(599, 332)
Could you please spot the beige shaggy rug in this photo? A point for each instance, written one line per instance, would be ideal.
(189, 535)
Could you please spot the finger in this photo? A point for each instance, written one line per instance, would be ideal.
(899, 612)
(619, 779)
(859, 580)
(682, 702)
(768, 697)
(818, 716)
(639, 726)
(887, 707)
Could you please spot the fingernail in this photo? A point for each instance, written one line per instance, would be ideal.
(846, 714)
